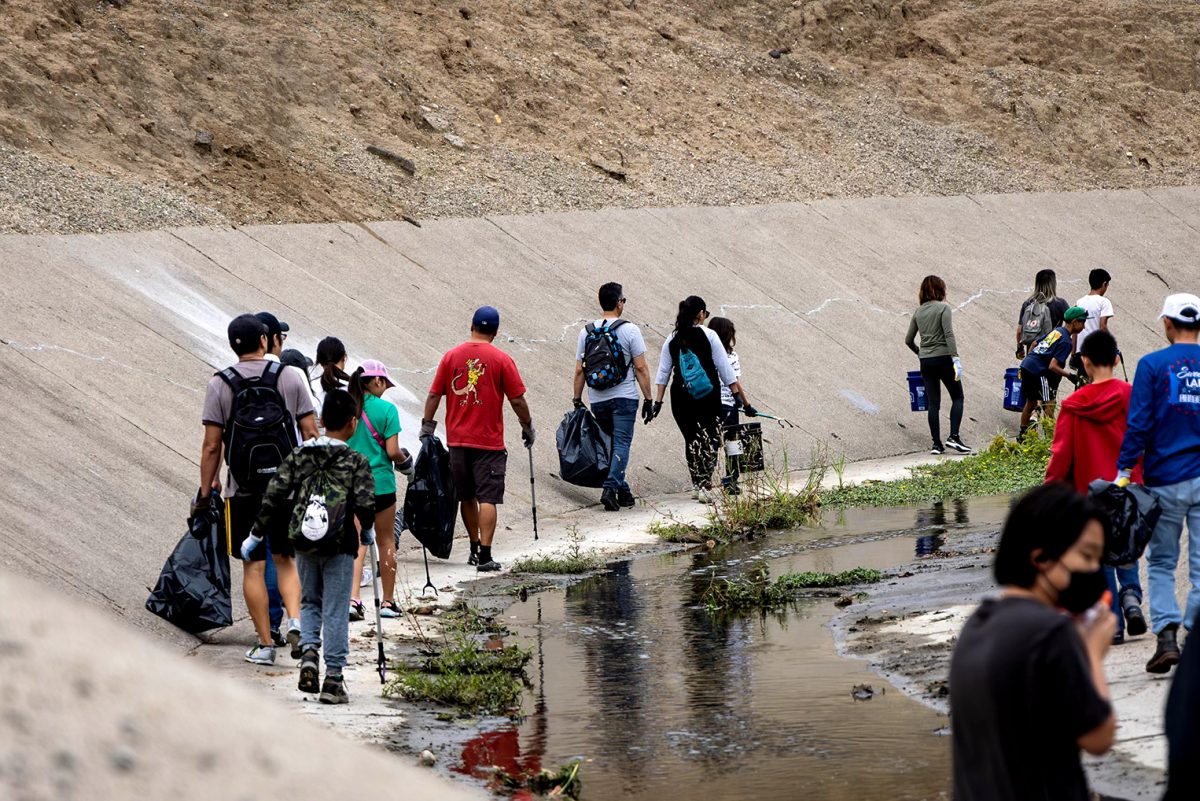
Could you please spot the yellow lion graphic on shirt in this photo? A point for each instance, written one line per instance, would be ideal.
(470, 392)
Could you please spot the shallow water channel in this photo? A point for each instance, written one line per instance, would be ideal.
(630, 673)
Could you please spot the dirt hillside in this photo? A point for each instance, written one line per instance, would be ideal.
(124, 114)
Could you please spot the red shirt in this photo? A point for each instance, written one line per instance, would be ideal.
(1088, 435)
(476, 377)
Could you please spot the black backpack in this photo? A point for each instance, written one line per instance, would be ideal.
(604, 364)
(260, 431)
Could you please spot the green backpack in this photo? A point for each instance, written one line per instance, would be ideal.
(322, 503)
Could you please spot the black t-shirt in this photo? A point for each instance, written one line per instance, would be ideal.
(1021, 695)
(1183, 737)
(1058, 307)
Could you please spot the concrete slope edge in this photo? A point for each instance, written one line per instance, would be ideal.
(108, 340)
(120, 716)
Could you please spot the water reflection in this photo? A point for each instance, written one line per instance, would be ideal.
(933, 522)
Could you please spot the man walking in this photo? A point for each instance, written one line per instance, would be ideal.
(1099, 310)
(1164, 428)
(476, 377)
(251, 413)
(607, 350)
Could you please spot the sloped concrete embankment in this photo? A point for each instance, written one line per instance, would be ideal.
(108, 340)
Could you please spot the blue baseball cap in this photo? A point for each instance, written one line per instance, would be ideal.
(486, 319)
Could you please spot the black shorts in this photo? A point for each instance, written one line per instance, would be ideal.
(384, 501)
(240, 513)
(478, 474)
(1035, 387)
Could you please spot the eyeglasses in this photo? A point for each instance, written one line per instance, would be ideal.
(282, 336)
(622, 300)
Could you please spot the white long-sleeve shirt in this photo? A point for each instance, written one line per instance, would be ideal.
(719, 356)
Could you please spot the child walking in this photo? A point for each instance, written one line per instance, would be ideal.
(322, 486)
(727, 333)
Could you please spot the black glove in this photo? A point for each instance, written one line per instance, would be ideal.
(528, 434)
(1076, 379)
(201, 504)
(749, 411)
(650, 410)
(427, 428)
(578, 403)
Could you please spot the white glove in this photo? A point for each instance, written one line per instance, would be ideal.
(367, 536)
(251, 542)
(957, 369)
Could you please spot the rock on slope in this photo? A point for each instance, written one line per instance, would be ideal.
(507, 106)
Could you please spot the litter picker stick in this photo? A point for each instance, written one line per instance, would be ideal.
(533, 494)
(428, 580)
(378, 585)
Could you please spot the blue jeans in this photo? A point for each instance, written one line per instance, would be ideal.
(1180, 502)
(1120, 580)
(324, 589)
(617, 418)
(274, 599)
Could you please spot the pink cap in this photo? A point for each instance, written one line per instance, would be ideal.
(373, 368)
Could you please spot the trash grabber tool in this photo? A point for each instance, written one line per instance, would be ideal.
(533, 494)
(378, 585)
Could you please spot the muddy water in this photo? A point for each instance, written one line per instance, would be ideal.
(630, 673)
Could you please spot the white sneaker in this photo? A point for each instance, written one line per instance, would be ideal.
(261, 655)
(709, 496)
(367, 577)
(695, 493)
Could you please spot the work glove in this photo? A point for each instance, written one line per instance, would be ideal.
(1020, 353)
(749, 411)
(650, 410)
(427, 428)
(1123, 478)
(405, 465)
(367, 536)
(578, 403)
(957, 369)
(251, 542)
(528, 434)
(1076, 379)
(201, 504)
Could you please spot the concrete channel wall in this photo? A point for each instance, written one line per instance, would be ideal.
(108, 340)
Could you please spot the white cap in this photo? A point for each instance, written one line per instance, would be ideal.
(1182, 307)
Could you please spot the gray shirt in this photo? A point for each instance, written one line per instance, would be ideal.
(629, 337)
(932, 321)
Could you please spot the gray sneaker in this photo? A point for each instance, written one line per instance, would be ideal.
(488, 567)
(261, 655)
(293, 636)
(333, 690)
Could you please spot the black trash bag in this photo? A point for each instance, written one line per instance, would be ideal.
(1133, 511)
(430, 506)
(193, 589)
(584, 450)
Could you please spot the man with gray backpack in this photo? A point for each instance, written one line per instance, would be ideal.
(610, 360)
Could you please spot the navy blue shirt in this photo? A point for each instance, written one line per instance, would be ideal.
(1056, 345)
(1164, 416)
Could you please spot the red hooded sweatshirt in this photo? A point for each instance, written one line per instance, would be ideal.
(1088, 434)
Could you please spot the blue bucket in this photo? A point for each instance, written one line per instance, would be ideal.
(916, 392)
(1012, 390)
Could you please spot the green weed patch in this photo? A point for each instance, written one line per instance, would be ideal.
(756, 590)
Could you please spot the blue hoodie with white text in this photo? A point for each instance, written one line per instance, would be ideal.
(1164, 416)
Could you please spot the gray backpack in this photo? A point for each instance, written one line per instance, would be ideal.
(1035, 322)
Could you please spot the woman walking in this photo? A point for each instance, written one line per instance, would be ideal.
(1041, 312)
(330, 372)
(939, 361)
(376, 439)
(697, 359)
(726, 331)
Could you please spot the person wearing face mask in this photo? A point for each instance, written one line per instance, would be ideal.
(1027, 683)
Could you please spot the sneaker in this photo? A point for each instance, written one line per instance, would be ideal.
(954, 443)
(261, 655)
(1118, 638)
(357, 612)
(1135, 621)
(708, 495)
(695, 493)
(473, 559)
(625, 498)
(389, 609)
(489, 567)
(293, 636)
(333, 690)
(609, 500)
(277, 638)
(937, 449)
(310, 672)
(1166, 655)
(368, 576)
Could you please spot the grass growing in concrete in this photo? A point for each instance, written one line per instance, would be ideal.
(460, 673)
(1005, 466)
(757, 591)
(574, 559)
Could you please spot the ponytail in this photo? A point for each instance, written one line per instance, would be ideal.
(331, 351)
(333, 377)
(689, 309)
(357, 387)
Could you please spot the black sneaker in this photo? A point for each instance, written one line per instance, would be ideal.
(1118, 638)
(937, 449)
(473, 559)
(954, 443)
(310, 672)
(491, 566)
(609, 499)
(333, 690)
(277, 639)
(1135, 621)
(625, 498)
(1167, 654)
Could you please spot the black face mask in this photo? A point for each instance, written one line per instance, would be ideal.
(1083, 592)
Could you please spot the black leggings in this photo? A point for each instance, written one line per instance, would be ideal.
(938, 370)
(700, 424)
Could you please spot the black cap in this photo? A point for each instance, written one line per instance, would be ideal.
(245, 330)
(295, 358)
(274, 326)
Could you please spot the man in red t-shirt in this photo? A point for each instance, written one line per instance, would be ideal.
(476, 377)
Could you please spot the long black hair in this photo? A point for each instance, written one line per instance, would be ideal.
(330, 351)
(356, 385)
(689, 309)
(725, 330)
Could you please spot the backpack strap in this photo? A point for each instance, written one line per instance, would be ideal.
(270, 376)
(233, 378)
(590, 328)
(374, 433)
(615, 325)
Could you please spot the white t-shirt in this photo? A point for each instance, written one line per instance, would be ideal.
(1097, 307)
(726, 392)
(629, 337)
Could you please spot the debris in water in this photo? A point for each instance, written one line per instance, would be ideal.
(864, 692)
(427, 758)
(844, 601)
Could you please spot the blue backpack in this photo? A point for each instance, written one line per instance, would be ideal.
(693, 374)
